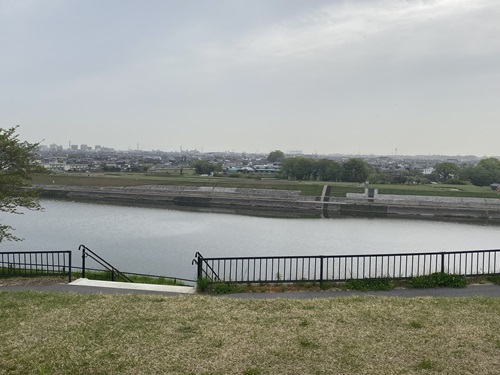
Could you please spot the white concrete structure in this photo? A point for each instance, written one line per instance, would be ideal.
(135, 286)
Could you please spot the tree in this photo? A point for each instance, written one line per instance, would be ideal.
(446, 170)
(355, 170)
(329, 170)
(486, 172)
(298, 168)
(303, 168)
(203, 167)
(380, 178)
(276, 155)
(17, 165)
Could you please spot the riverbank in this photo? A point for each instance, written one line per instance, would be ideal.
(287, 203)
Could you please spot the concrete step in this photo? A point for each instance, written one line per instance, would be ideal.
(135, 286)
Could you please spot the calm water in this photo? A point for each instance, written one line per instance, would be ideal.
(163, 241)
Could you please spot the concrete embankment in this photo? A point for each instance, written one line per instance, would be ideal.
(265, 202)
(430, 207)
(268, 202)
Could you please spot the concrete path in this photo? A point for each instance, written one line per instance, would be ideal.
(106, 287)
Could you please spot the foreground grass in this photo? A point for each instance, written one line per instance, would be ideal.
(45, 333)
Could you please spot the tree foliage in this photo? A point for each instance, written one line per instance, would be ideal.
(355, 170)
(299, 168)
(486, 172)
(202, 167)
(17, 165)
(446, 171)
(276, 155)
(329, 170)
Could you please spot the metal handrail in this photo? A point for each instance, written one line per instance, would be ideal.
(86, 252)
(319, 268)
(36, 263)
(174, 279)
(198, 259)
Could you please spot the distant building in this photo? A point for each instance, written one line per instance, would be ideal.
(65, 167)
(495, 187)
(427, 171)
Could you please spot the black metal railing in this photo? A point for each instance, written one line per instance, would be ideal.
(346, 267)
(175, 280)
(86, 252)
(203, 268)
(36, 263)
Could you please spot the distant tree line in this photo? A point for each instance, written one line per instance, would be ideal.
(301, 168)
(485, 173)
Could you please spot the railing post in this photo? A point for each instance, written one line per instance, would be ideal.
(70, 267)
(83, 262)
(200, 267)
(442, 262)
(321, 270)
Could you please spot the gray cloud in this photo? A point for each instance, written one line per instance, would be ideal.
(330, 76)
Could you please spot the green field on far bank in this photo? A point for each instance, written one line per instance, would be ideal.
(67, 333)
(308, 188)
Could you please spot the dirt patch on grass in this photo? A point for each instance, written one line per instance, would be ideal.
(26, 281)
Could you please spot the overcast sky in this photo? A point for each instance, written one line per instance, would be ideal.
(350, 77)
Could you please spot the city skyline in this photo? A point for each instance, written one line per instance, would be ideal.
(77, 147)
(328, 77)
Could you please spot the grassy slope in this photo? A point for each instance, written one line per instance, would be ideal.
(133, 334)
(312, 188)
(131, 179)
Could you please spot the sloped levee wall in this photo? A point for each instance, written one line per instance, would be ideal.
(417, 200)
(164, 196)
(259, 201)
(431, 207)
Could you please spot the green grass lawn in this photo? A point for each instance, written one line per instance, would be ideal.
(136, 179)
(439, 190)
(66, 333)
(308, 188)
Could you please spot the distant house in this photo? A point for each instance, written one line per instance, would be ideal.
(78, 167)
(427, 171)
(265, 170)
(56, 167)
(495, 187)
(65, 167)
(240, 169)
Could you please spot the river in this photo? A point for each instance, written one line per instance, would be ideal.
(163, 241)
